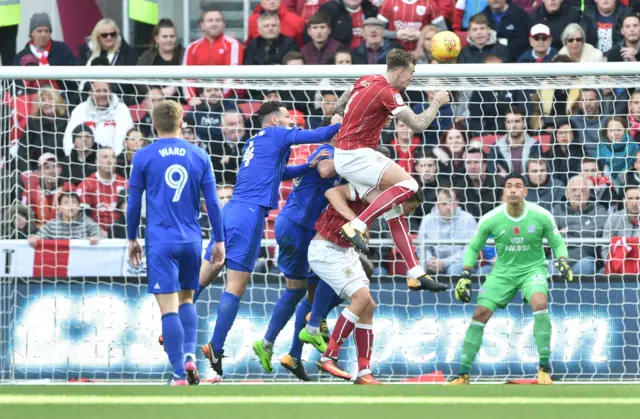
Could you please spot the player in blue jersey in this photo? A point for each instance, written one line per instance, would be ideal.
(172, 172)
(264, 158)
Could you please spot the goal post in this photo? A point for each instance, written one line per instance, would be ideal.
(71, 310)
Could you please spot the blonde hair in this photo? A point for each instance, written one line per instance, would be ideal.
(60, 108)
(167, 116)
(95, 35)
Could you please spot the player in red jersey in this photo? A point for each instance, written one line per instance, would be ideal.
(407, 18)
(365, 109)
(336, 262)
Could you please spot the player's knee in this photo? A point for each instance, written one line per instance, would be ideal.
(409, 183)
(186, 296)
(295, 284)
(482, 314)
(539, 302)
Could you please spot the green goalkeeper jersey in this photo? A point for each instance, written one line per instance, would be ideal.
(518, 240)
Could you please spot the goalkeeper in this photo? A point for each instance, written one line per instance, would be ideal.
(518, 228)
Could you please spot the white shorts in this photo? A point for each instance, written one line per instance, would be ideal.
(340, 268)
(363, 168)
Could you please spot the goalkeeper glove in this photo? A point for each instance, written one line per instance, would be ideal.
(562, 265)
(463, 287)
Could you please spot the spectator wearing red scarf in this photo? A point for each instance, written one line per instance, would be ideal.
(47, 51)
(404, 146)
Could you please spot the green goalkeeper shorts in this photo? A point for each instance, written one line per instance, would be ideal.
(499, 290)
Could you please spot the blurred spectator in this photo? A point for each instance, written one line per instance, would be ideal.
(608, 16)
(565, 154)
(634, 114)
(164, 48)
(542, 188)
(189, 134)
(214, 48)
(628, 49)
(225, 192)
(327, 105)
(443, 121)
(624, 222)
(479, 191)
(451, 152)
(574, 46)
(404, 146)
(580, 218)
(375, 48)
(511, 24)
(291, 25)
(602, 186)
(632, 177)
(42, 186)
(47, 51)
(590, 121)
(69, 223)
(321, 49)
(99, 191)
(82, 160)
(155, 94)
(511, 152)
(304, 8)
(106, 113)
(346, 19)
(119, 227)
(207, 116)
(406, 20)
(343, 57)
(19, 222)
(226, 153)
(45, 129)
(447, 221)
(464, 11)
(557, 16)
(300, 100)
(541, 50)
(107, 42)
(481, 43)
(423, 46)
(133, 142)
(616, 149)
(271, 46)
(425, 171)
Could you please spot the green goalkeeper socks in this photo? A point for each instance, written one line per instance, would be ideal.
(471, 346)
(542, 334)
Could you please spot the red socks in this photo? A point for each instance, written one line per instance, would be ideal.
(363, 337)
(344, 326)
(395, 195)
(400, 233)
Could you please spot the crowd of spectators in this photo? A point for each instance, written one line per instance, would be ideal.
(71, 143)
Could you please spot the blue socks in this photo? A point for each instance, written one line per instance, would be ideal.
(189, 320)
(301, 320)
(196, 294)
(173, 335)
(284, 309)
(227, 312)
(324, 300)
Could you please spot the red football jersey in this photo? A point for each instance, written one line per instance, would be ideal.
(403, 14)
(330, 221)
(102, 197)
(357, 18)
(372, 100)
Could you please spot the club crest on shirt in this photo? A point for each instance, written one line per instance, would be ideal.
(348, 272)
(516, 230)
(531, 229)
(421, 10)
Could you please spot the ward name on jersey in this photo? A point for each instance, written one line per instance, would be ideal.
(519, 241)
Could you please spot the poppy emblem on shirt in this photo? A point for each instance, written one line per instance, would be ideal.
(516, 230)
(421, 10)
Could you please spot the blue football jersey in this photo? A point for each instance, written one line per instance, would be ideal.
(307, 200)
(264, 158)
(172, 172)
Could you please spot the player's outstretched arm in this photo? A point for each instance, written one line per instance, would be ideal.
(311, 136)
(341, 103)
(292, 172)
(420, 122)
(339, 198)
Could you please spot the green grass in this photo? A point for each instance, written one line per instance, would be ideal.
(320, 401)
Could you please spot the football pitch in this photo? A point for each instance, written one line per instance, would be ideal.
(319, 401)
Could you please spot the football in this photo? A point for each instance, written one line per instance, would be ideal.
(445, 46)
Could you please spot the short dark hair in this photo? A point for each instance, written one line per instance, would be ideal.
(474, 149)
(515, 176)
(561, 58)
(292, 55)
(629, 187)
(450, 192)
(267, 109)
(539, 161)
(399, 58)
(636, 15)
(589, 160)
(330, 92)
(319, 18)
(68, 194)
(342, 50)
(516, 110)
(208, 8)
(479, 19)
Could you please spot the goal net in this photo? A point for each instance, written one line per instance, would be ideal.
(72, 308)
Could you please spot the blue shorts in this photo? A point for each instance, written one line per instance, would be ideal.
(173, 267)
(243, 231)
(293, 240)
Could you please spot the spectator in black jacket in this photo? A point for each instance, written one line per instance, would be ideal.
(226, 152)
(41, 45)
(374, 48)
(340, 11)
(271, 46)
(557, 16)
(133, 142)
(629, 48)
(541, 50)
(107, 42)
(207, 116)
(82, 160)
(482, 42)
(608, 16)
(511, 24)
